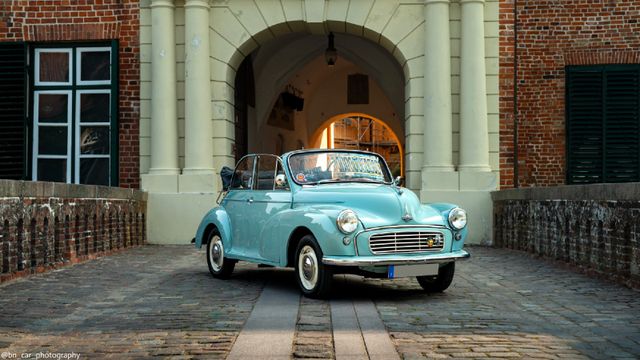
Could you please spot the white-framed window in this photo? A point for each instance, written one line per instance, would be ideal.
(94, 65)
(75, 121)
(93, 140)
(53, 66)
(52, 135)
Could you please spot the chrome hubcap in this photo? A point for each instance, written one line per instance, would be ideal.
(308, 267)
(216, 254)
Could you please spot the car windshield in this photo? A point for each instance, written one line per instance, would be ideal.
(333, 166)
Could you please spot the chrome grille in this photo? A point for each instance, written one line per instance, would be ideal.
(406, 242)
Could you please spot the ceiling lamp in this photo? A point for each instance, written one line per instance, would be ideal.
(331, 55)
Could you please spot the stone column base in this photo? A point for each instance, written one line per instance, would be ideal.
(198, 182)
(159, 183)
(174, 218)
(471, 191)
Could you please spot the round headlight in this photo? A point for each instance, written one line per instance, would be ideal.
(347, 221)
(458, 218)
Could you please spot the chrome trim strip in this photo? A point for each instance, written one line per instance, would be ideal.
(395, 260)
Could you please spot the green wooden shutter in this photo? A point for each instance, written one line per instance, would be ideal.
(584, 126)
(13, 72)
(603, 124)
(621, 126)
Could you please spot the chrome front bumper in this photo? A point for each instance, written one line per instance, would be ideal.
(395, 259)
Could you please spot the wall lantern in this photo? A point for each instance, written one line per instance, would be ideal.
(331, 55)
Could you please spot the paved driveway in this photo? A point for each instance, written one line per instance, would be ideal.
(161, 301)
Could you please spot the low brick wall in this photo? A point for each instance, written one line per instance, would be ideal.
(48, 225)
(593, 227)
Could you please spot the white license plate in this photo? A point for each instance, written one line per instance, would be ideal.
(397, 271)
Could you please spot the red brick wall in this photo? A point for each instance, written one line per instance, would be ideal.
(90, 20)
(551, 35)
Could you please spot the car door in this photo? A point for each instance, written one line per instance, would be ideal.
(237, 202)
(272, 195)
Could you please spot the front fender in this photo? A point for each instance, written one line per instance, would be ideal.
(321, 221)
(219, 218)
(444, 209)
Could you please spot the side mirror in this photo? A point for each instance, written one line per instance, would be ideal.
(398, 181)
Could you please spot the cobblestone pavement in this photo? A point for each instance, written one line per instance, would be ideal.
(148, 301)
(506, 304)
(162, 301)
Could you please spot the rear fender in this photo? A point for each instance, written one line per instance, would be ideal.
(219, 218)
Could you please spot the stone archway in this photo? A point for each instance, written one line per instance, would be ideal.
(295, 63)
(236, 34)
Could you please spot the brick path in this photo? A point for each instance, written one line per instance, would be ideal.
(161, 301)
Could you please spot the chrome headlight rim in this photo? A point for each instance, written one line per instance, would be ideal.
(458, 218)
(347, 221)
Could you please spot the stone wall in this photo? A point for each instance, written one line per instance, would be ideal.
(593, 227)
(47, 225)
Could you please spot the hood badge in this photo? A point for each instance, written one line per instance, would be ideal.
(407, 216)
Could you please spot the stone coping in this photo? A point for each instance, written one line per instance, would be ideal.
(41, 189)
(621, 192)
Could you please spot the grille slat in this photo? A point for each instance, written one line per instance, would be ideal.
(406, 242)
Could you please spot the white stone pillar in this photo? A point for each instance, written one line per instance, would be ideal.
(164, 120)
(437, 88)
(474, 136)
(198, 125)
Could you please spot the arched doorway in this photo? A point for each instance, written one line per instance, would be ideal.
(361, 132)
(296, 92)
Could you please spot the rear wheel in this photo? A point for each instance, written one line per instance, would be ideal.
(219, 266)
(314, 278)
(439, 283)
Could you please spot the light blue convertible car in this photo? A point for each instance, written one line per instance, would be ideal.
(325, 212)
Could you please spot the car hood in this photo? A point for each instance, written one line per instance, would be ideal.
(376, 204)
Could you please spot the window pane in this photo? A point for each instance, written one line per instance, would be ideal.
(266, 172)
(52, 108)
(94, 171)
(94, 107)
(52, 170)
(54, 67)
(94, 140)
(52, 140)
(94, 66)
(243, 175)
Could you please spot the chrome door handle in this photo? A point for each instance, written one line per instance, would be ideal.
(250, 201)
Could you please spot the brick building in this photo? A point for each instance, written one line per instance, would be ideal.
(570, 90)
(576, 95)
(70, 91)
(69, 114)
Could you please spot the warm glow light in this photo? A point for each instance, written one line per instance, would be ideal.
(325, 136)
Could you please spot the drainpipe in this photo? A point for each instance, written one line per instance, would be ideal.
(516, 178)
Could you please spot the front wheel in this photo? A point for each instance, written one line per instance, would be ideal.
(314, 278)
(439, 283)
(219, 266)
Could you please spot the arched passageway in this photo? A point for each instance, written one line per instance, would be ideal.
(285, 92)
(361, 132)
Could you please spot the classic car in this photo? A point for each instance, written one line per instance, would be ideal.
(325, 212)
